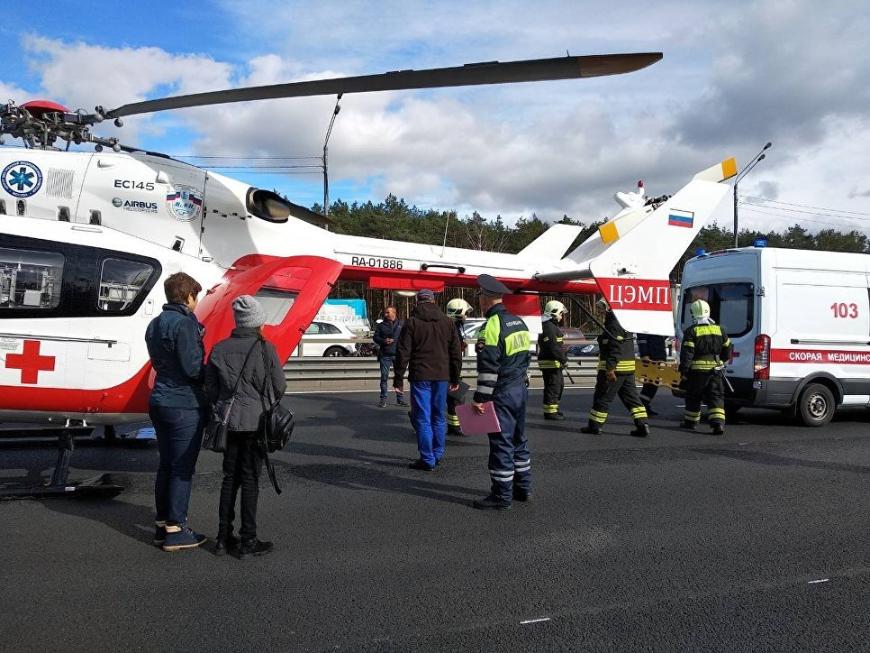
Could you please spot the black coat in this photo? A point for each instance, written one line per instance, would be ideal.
(386, 329)
(429, 347)
(263, 379)
(652, 346)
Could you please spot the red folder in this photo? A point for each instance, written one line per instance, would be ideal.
(474, 424)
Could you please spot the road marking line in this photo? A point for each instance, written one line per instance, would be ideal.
(821, 580)
(534, 621)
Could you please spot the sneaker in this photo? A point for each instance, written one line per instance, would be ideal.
(555, 416)
(454, 430)
(382, 403)
(422, 465)
(717, 429)
(159, 533)
(689, 426)
(641, 431)
(223, 545)
(182, 538)
(254, 547)
(492, 502)
(591, 430)
(522, 495)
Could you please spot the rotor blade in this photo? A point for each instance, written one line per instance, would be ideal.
(492, 72)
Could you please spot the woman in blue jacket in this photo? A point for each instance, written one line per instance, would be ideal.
(177, 408)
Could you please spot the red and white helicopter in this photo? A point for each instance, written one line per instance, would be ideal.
(86, 239)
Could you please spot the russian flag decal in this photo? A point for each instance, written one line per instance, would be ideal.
(678, 218)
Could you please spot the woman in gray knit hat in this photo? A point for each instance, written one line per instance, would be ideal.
(248, 359)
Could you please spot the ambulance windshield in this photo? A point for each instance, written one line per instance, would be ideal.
(731, 306)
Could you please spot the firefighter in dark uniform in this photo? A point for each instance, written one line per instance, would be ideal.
(502, 363)
(704, 350)
(552, 358)
(457, 310)
(616, 377)
(651, 348)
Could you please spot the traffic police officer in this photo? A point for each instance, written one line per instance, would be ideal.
(502, 362)
(616, 377)
(457, 310)
(552, 358)
(651, 348)
(705, 347)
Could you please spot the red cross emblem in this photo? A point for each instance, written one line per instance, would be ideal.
(30, 362)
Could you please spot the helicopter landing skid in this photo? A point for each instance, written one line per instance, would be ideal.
(100, 487)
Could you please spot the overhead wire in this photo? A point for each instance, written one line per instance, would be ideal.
(804, 206)
(828, 223)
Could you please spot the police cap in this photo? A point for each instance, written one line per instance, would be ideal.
(491, 286)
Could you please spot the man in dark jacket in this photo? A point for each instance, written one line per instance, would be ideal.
(386, 337)
(177, 408)
(552, 358)
(616, 366)
(431, 351)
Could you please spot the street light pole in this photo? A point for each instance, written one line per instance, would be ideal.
(746, 170)
(326, 157)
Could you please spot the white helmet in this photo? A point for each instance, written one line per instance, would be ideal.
(700, 309)
(458, 308)
(555, 309)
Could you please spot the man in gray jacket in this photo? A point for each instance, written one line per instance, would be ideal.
(251, 361)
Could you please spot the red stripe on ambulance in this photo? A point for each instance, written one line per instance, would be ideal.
(834, 356)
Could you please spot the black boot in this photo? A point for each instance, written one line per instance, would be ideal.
(592, 428)
(641, 430)
(717, 428)
(686, 424)
(225, 541)
(492, 502)
(454, 430)
(254, 547)
(555, 416)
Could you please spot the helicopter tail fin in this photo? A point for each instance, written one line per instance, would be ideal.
(631, 256)
(551, 244)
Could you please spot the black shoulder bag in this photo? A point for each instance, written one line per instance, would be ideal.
(217, 429)
(276, 423)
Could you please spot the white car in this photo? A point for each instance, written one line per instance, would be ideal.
(321, 336)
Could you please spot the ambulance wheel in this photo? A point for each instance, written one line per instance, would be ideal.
(816, 405)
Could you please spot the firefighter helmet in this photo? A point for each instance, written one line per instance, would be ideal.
(700, 310)
(458, 308)
(555, 309)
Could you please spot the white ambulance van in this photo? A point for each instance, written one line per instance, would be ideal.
(800, 323)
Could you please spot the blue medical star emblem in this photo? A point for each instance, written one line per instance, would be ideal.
(21, 179)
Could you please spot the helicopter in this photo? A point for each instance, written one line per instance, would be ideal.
(87, 237)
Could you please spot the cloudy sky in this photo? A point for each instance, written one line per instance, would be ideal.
(734, 76)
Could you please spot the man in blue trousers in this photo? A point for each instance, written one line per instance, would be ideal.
(430, 350)
(502, 361)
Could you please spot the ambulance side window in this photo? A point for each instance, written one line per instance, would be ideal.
(732, 305)
(30, 279)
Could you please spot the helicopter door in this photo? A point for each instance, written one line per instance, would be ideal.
(290, 289)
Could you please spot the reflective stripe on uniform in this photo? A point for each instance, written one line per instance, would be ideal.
(491, 331)
(517, 342)
(691, 416)
(638, 412)
(452, 420)
(484, 390)
(549, 365)
(716, 414)
(485, 376)
(625, 366)
(522, 465)
(708, 330)
(704, 365)
(597, 416)
(551, 408)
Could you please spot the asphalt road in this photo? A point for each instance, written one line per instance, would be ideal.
(755, 541)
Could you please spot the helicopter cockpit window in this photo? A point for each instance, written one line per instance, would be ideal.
(30, 279)
(120, 283)
(267, 205)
